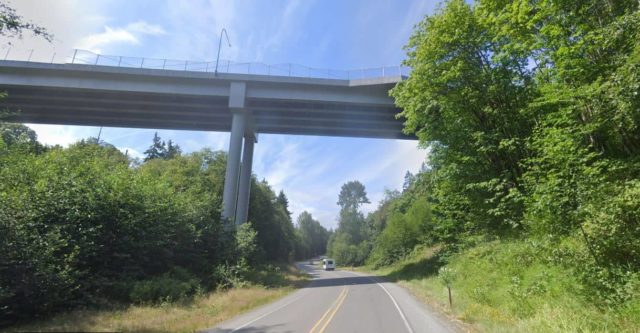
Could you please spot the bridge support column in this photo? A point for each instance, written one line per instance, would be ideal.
(233, 166)
(244, 190)
(238, 128)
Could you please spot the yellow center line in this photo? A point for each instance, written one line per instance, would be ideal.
(342, 294)
(326, 323)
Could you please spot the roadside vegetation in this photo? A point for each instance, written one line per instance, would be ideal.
(189, 315)
(529, 203)
(507, 286)
(93, 239)
(88, 226)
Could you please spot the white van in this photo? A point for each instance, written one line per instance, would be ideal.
(328, 264)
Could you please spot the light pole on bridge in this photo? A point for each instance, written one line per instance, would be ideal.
(219, 46)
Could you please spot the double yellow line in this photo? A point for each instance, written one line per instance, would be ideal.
(327, 316)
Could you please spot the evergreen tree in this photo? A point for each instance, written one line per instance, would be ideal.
(173, 150)
(283, 202)
(157, 149)
(409, 179)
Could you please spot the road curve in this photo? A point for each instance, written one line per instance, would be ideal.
(340, 301)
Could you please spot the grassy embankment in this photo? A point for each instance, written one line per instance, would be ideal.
(200, 312)
(506, 286)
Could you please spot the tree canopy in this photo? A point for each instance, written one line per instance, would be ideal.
(13, 25)
(531, 114)
(352, 195)
(160, 149)
(83, 223)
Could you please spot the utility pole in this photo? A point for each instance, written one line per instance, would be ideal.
(99, 133)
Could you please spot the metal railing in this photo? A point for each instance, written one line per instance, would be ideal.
(225, 66)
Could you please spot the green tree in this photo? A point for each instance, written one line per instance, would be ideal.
(21, 136)
(409, 178)
(312, 236)
(157, 149)
(78, 224)
(276, 234)
(352, 195)
(531, 113)
(173, 150)
(467, 99)
(349, 244)
(283, 202)
(13, 25)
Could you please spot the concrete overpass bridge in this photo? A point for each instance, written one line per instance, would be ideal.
(243, 104)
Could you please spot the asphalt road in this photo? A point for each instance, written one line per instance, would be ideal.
(340, 301)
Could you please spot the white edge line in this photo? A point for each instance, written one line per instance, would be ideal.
(268, 313)
(406, 322)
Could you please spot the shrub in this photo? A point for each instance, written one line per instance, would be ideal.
(229, 276)
(173, 286)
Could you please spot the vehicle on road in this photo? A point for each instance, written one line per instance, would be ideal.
(328, 264)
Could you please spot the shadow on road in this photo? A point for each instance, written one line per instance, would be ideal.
(340, 281)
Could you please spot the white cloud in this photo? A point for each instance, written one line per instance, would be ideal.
(67, 20)
(131, 152)
(62, 135)
(130, 34)
(146, 28)
(95, 42)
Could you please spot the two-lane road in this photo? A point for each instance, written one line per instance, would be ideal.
(340, 301)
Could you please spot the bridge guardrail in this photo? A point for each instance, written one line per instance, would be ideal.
(224, 66)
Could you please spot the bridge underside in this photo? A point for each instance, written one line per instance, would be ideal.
(241, 104)
(46, 105)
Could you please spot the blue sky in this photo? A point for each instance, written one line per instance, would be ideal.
(324, 34)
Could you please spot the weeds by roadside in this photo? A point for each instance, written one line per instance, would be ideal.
(188, 314)
(508, 286)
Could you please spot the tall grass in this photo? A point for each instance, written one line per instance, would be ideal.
(188, 315)
(201, 313)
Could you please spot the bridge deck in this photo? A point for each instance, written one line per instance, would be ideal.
(90, 95)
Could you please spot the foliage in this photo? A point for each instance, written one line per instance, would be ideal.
(466, 99)
(349, 244)
(531, 114)
(246, 243)
(352, 195)
(13, 25)
(170, 286)
(311, 237)
(269, 217)
(447, 276)
(160, 149)
(80, 225)
(403, 232)
(513, 286)
(530, 111)
(20, 135)
(197, 314)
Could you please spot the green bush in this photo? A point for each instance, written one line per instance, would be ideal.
(402, 233)
(79, 225)
(172, 286)
(229, 276)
